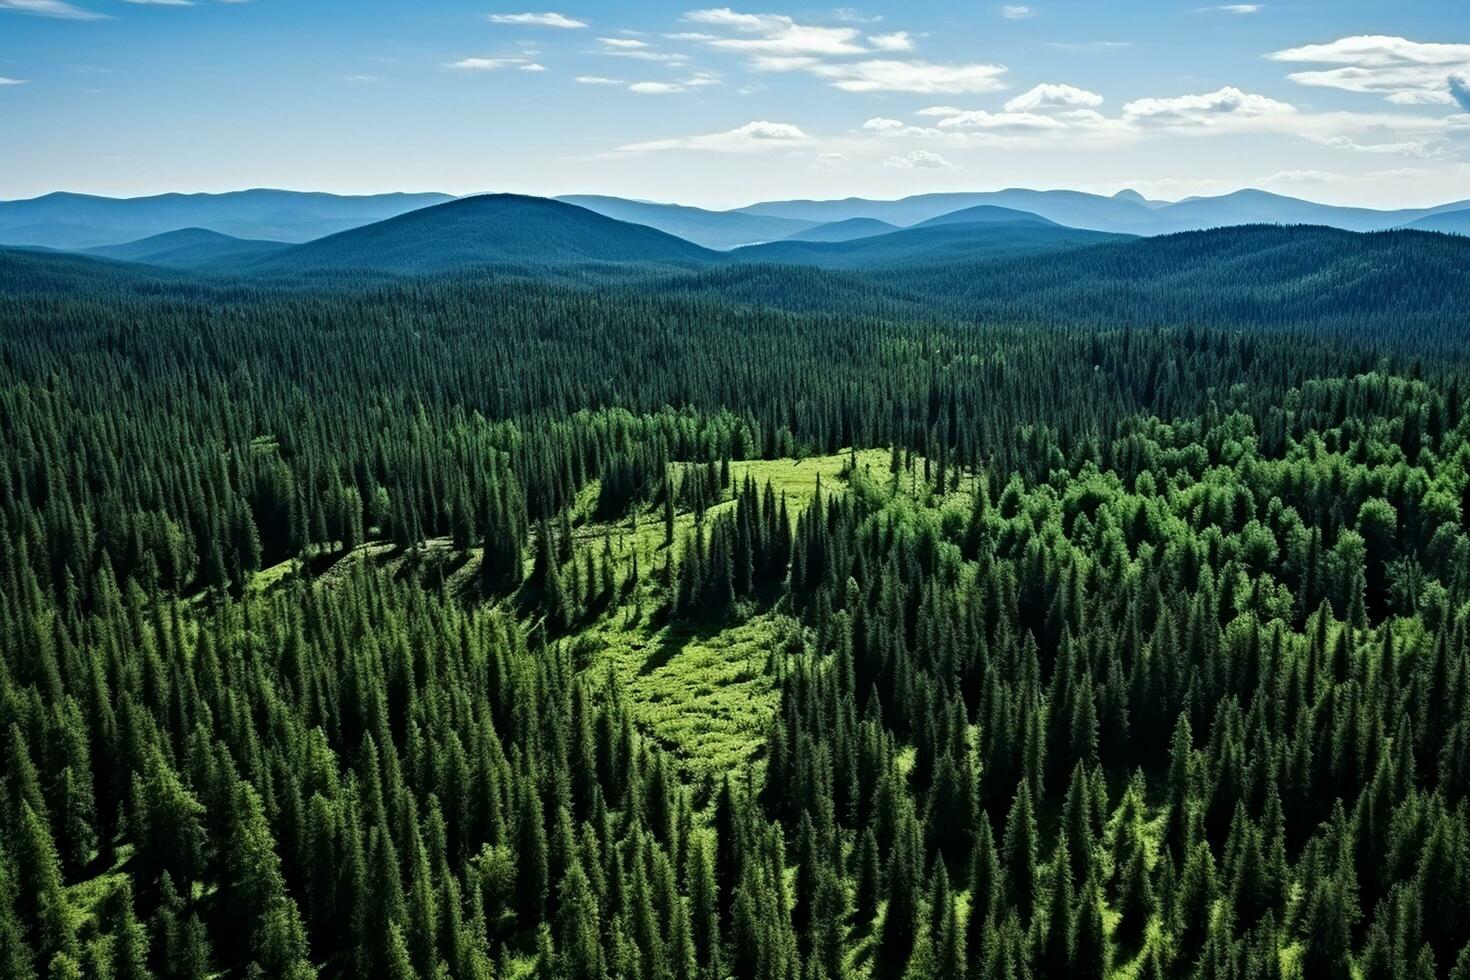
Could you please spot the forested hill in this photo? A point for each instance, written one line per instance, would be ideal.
(1386, 285)
(490, 230)
(948, 243)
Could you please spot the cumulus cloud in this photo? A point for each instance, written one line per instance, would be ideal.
(1205, 111)
(1016, 12)
(11, 81)
(775, 34)
(1403, 71)
(777, 43)
(896, 41)
(752, 137)
(597, 80)
(831, 162)
(1046, 96)
(51, 8)
(537, 20)
(880, 75)
(919, 160)
(878, 124)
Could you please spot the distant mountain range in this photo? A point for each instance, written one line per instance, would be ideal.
(1266, 276)
(978, 257)
(81, 222)
(712, 229)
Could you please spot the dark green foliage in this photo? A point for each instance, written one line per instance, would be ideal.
(1169, 625)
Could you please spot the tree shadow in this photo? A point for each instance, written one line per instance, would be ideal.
(672, 641)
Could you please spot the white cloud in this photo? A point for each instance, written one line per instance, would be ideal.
(1303, 177)
(919, 160)
(777, 43)
(775, 34)
(1048, 96)
(598, 80)
(897, 41)
(52, 8)
(752, 137)
(911, 76)
(627, 47)
(1205, 111)
(1016, 12)
(537, 20)
(1413, 149)
(1232, 8)
(1403, 71)
(880, 125)
(1002, 121)
(11, 81)
(532, 66)
(163, 3)
(831, 162)
(697, 80)
(487, 64)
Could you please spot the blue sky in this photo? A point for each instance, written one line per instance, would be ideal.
(1337, 100)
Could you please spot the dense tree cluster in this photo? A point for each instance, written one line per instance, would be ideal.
(1149, 652)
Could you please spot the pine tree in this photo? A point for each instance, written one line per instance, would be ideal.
(1020, 853)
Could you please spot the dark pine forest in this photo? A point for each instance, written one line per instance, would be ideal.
(1096, 615)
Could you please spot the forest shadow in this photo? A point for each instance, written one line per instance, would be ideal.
(672, 641)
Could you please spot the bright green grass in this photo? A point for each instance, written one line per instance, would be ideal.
(706, 696)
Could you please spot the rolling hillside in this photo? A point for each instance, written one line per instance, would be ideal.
(1383, 283)
(190, 248)
(986, 214)
(843, 231)
(491, 230)
(946, 244)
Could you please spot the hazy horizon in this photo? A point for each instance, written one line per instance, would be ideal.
(1433, 202)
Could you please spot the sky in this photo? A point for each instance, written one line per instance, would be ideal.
(1341, 101)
